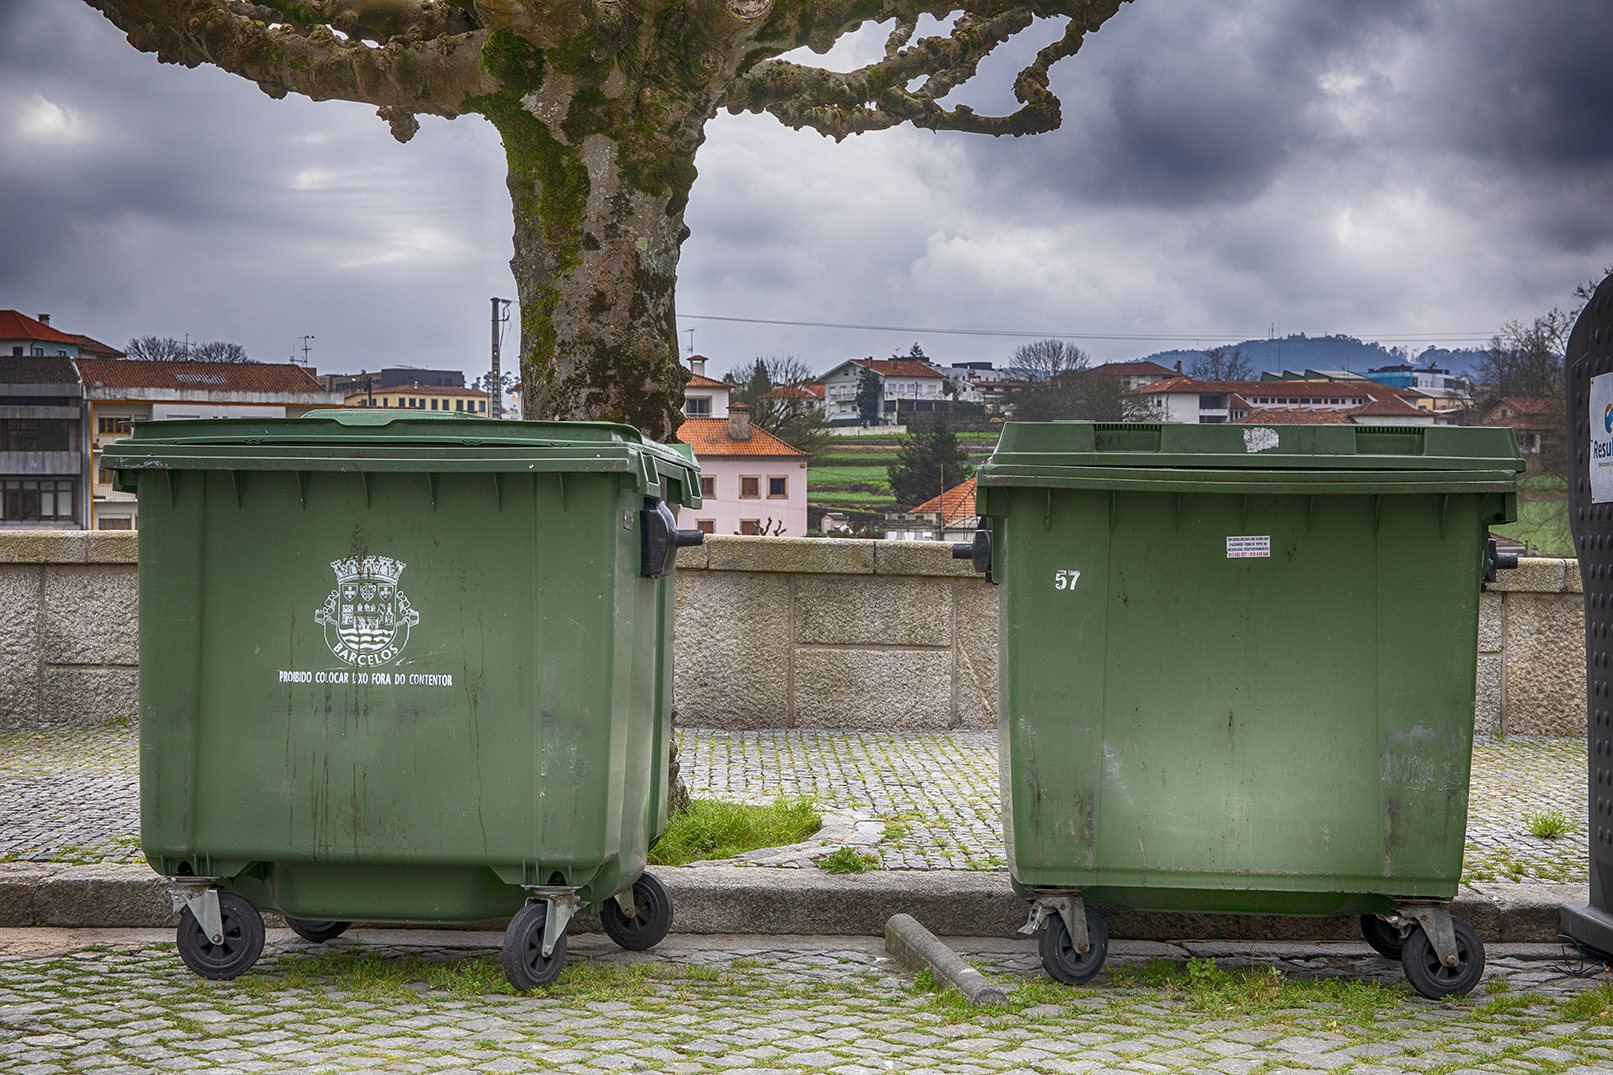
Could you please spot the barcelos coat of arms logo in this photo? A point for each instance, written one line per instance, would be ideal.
(366, 619)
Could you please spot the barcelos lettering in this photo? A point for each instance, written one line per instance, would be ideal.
(366, 618)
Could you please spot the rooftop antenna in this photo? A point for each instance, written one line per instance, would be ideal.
(690, 331)
(305, 340)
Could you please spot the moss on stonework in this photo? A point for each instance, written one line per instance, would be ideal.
(512, 60)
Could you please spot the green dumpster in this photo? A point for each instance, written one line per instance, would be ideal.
(1237, 673)
(397, 668)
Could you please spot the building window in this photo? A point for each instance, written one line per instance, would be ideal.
(750, 526)
(708, 486)
(27, 500)
(750, 488)
(34, 435)
(112, 423)
(116, 522)
(697, 406)
(778, 488)
(38, 352)
(706, 526)
(1212, 403)
(481, 405)
(1211, 419)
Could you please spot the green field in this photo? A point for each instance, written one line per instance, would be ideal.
(1543, 524)
(864, 461)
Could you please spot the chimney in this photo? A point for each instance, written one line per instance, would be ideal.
(697, 365)
(44, 319)
(739, 421)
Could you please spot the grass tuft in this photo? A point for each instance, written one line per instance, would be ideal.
(1206, 987)
(711, 829)
(1592, 1004)
(848, 860)
(1546, 824)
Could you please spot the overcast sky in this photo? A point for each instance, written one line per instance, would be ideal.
(1392, 169)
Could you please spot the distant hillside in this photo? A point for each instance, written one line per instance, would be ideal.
(1326, 353)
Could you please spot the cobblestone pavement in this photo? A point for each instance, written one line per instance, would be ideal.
(70, 794)
(119, 1001)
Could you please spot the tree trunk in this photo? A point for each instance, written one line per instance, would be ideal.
(598, 227)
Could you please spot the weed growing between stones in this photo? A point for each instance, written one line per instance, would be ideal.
(848, 860)
(1546, 824)
(712, 829)
(1593, 1005)
(1204, 986)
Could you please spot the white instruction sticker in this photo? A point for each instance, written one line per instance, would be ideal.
(1259, 439)
(1242, 548)
(1601, 427)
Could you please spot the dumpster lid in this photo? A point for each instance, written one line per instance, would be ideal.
(1224, 446)
(365, 439)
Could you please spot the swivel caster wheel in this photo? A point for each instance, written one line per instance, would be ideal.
(525, 965)
(1059, 954)
(317, 932)
(239, 947)
(1384, 938)
(651, 918)
(1432, 978)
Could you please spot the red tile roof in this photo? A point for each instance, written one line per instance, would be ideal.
(89, 346)
(17, 326)
(196, 376)
(1390, 405)
(698, 381)
(794, 391)
(956, 503)
(899, 367)
(1140, 366)
(1286, 416)
(709, 436)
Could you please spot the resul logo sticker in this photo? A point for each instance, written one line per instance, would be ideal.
(366, 618)
(1601, 454)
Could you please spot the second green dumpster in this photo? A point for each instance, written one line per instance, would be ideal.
(1237, 673)
(404, 669)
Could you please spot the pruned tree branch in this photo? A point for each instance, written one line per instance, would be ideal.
(280, 46)
(876, 97)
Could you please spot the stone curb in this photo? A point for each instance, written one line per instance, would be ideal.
(915, 948)
(761, 900)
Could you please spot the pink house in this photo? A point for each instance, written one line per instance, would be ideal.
(751, 482)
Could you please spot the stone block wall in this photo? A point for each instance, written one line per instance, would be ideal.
(69, 610)
(1531, 677)
(771, 632)
(821, 633)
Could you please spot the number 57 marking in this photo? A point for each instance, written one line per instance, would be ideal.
(1065, 580)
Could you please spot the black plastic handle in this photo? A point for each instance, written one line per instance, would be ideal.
(1504, 559)
(686, 539)
(978, 550)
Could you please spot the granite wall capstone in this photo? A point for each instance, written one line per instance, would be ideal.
(771, 632)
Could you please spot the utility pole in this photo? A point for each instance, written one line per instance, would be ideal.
(500, 318)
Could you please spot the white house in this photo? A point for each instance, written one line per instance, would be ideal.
(702, 396)
(905, 387)
(750, 481)
(1182, 399)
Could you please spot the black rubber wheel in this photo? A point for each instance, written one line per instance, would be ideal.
(1432, 978)
(652, 906)
(522, 952)
(240, 948)
(1061, 959)
(317, 932)
(1384, 938)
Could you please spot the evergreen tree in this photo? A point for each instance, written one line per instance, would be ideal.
(870, 394)
(930, 463)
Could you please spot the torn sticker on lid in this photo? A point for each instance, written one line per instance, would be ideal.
(1258, 440)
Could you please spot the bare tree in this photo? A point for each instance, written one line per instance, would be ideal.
(168, 349)
(1222, 364)
(1060, 385)
(601, 105)
(775, 387)
(1525, 360)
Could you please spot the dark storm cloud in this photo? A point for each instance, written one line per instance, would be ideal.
(146, 198)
